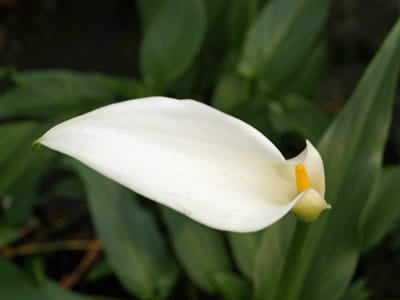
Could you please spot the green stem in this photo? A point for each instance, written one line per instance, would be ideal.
(294, 268)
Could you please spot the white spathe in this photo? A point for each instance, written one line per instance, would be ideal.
(193, 158)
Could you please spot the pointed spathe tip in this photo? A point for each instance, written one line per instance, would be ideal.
(37, 144)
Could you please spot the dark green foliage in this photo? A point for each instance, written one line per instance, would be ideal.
(262, 61)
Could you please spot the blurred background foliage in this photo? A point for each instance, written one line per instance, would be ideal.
(321, 70)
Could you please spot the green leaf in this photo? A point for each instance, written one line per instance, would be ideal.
(229, 92)
(172, 41)
(16, 155)
(201, 250)
(133, 245)
(356, 291)
(232, 287)
(270, 257)
(52, 93)
(124, 88)
(67, 188)
(307, 79)
(20, 170)
(241, 13)
(281, 36)
(3, 72)
(216, 32)
(98, 271)
(8, 235)
(296, 114)
(14, 284)
(147, 10)
(52, 290)
(24, 188)
(244, 248)
(13, 136)
(352, 150)
(382, 211)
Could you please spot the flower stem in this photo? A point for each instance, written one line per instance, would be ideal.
(293, 270)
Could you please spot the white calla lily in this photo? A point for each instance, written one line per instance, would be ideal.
(195, 159)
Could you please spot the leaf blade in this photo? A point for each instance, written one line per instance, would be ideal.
(169, 48)
(134, 247)
(200, 249)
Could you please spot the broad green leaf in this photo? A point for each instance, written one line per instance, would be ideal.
(216, 32)
(13, 136)
(20, 170)
(281, 36)
(99, 270)
(356, 291)
(352, 150)
(147, 10)
(133, 245)
(270, 257)
(8, 235)
(214, 11)
(14, 284)
(241, 13)
(3, 72)
(172, 41)
(383, 209)
(67, 188)
(307, 79)
(52, 290)
(52, 93)
(16, 155)
(23, 190)
(229, 92)
(124, 88)
(244, 247)
(295, 114)
(201, 250)
(232, 287)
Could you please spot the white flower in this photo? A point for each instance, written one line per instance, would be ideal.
(195, 159)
